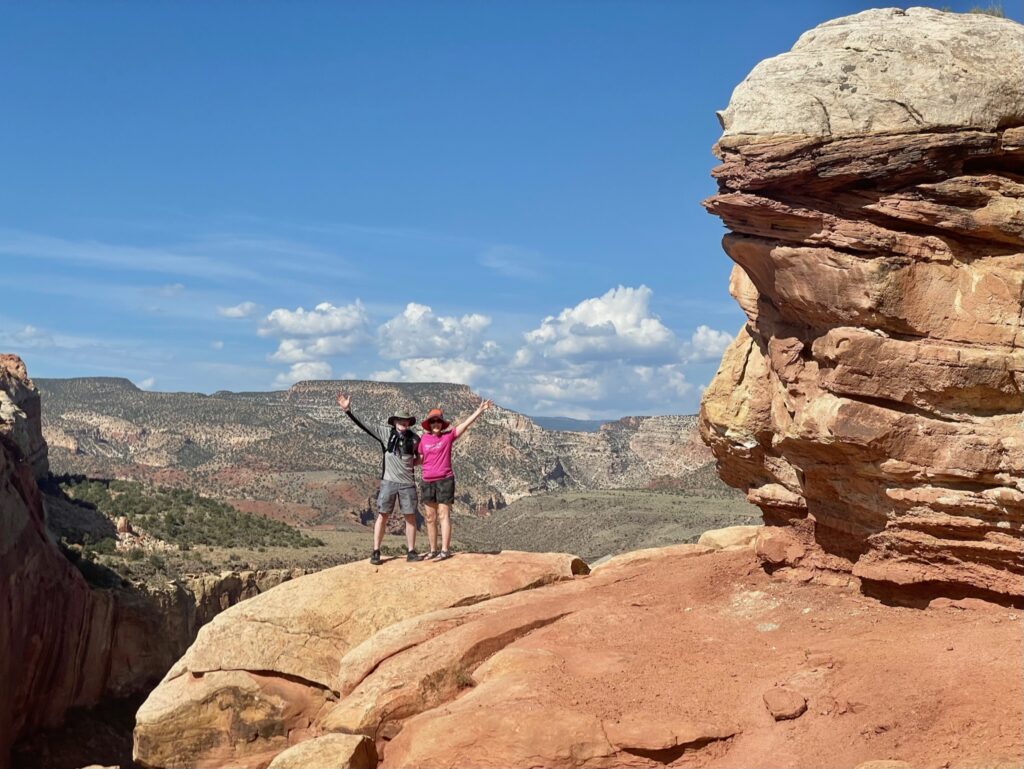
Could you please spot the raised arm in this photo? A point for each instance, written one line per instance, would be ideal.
(462, 427)
(344, 401)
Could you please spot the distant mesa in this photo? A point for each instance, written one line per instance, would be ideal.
(293, 455)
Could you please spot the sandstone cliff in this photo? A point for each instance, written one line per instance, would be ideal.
(872, 180)
(276, 666)
(20, 418)
(678, 656)
(45, 602)
(65, 643)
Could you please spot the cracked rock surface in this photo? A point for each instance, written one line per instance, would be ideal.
(886, 70)
(872, 403)
(263, 674)
(649, 661)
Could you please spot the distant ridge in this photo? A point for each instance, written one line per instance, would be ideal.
(292, 454)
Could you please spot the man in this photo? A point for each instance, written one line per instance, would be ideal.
(438, 487)
(398, 442)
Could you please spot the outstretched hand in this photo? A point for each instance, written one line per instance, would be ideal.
(343, 401)
(484, 406)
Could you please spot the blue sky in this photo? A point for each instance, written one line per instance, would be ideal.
(204, 196)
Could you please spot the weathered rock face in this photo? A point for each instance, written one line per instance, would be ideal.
(20, 418)
(65, 644)
(265, 674)
(44, 602)
(679, 656)
(873, 183)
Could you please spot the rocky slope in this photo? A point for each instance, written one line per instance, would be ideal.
(65, 643)
(872, 180)
(276, 666)
(295, 456)
(682, 656)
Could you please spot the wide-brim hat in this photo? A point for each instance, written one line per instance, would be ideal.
(435, 414)
(403, 415)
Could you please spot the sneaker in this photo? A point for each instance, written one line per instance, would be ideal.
(444, 555)
(412, 555)
(375, 558)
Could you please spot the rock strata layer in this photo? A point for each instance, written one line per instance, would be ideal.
(679, 656)
(67, 644)
(268, 673)
(872, 182)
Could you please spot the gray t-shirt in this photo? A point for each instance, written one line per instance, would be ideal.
(397, 466)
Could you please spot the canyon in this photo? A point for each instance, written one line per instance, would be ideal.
(871, 407)
(294, 456)
(69, 644)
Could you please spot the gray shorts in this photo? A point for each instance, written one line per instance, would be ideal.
(404, 493)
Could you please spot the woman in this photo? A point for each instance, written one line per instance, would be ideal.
(437, 492)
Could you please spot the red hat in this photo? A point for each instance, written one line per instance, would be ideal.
(435, 414)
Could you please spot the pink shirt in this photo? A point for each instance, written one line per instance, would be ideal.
(437, 455)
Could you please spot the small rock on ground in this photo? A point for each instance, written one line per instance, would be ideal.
(784, 703)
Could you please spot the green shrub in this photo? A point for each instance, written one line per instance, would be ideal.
(184, 518)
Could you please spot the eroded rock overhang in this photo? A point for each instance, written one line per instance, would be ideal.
(872, 403)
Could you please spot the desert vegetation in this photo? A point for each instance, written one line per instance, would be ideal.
(182, 517)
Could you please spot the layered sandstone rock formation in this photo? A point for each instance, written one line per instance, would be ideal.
(678, 656)
(20, 418)
(872, 180)
(66, 644)
(44, 602)
(283, 667)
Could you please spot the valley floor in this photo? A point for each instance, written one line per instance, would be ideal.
(600, 523)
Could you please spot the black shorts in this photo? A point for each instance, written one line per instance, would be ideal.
(442, 492)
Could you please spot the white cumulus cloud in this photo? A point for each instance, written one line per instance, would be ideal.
(305, 370)
(309, 336)
(243, 310)
(295, 350)
(609, 355)
(456, 370)
(617, 325)
(418, 332)
(611, 388)
(323, 320)
(708, 344)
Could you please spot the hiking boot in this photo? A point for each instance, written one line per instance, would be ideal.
(444, 555)
(375, 558)
(412, 555)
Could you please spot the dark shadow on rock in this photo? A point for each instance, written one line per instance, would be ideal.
(919, 596)
(71, 519)
(100, 735)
